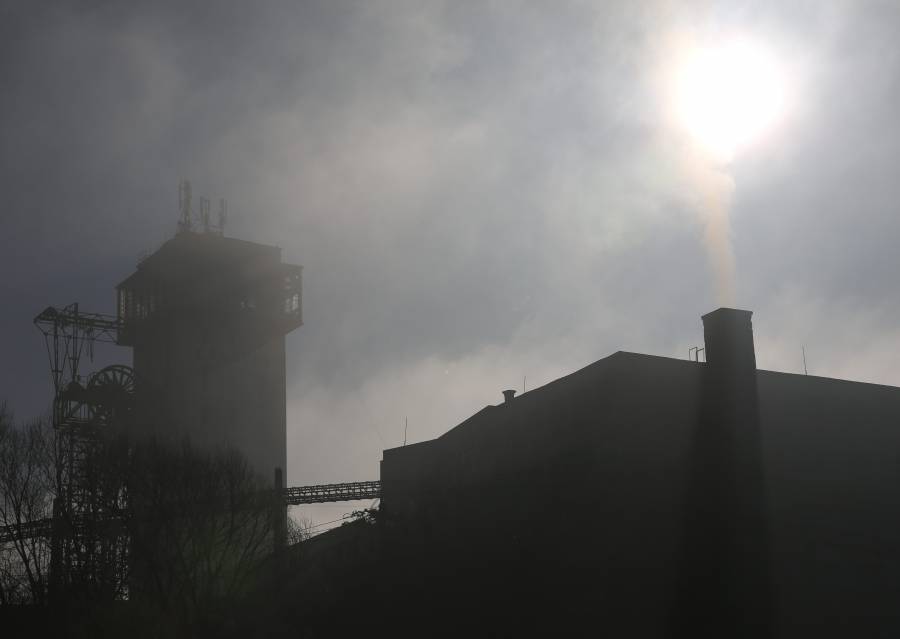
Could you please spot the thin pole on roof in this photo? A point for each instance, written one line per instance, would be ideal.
(524, 377)
(405, 427)
(805, 372)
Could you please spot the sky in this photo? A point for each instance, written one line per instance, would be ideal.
(483, 195)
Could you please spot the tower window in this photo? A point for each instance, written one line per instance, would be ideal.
(292, 303)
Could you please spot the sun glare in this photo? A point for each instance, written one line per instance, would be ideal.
(728, 95)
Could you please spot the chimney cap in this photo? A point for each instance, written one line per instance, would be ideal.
(725, 311)
(508, 395)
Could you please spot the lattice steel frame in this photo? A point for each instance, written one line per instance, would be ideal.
(89, 550)
(332, 492)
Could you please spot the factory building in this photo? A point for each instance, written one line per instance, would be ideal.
(647, 496)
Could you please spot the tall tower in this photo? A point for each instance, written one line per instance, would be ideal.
(207, 317)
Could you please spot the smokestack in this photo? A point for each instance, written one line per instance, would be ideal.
(726, 583)
(728, 335)
(508, 396)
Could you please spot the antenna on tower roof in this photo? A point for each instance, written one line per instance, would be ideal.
(222, 215)
(184, 206)
(204, 213)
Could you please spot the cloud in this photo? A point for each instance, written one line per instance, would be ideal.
(477, 193)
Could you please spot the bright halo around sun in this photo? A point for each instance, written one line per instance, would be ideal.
(728, 95)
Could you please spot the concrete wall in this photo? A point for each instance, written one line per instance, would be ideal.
(570, 495)
(209, 359)
(239, 402)
(832, 470)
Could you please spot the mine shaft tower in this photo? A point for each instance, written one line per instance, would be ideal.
(206, 316)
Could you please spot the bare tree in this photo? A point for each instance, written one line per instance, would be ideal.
(27, 488)
(200, 524)
(299, 529)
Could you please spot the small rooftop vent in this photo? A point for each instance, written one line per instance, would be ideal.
(508, 396)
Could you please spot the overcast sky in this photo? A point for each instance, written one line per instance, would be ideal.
(478, 192)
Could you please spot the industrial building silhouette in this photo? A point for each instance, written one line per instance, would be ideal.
(641, 496)
(206, 317)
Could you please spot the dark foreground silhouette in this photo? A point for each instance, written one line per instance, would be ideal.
(640, 496)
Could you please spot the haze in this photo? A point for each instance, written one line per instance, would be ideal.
(480, 195)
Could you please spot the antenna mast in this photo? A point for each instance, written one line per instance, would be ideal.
(186, 212)
(222, 214)
(204, 214)
(184, 206)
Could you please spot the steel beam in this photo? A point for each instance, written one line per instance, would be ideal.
(332, 492)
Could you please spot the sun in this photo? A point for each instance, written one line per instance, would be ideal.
(728, 95)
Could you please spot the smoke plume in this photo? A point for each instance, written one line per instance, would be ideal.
(716, 190)
(712, 189)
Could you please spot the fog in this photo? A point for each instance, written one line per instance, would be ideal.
(481, 195)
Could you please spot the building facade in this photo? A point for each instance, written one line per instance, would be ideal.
(207, 316)
(652, 497)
